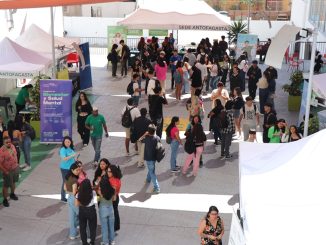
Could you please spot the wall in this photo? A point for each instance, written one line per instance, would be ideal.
(112, 10)
(7, 85)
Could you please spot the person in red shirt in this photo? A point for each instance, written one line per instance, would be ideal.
(10, 170)
(115, 175)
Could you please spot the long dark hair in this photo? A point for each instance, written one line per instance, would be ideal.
(160, 62)
(218, 104)
(85, 192)
(19, 122)
(116, 171)
(11, 128)
(106, 189)
(67, 138)
(211, 208)
(172, 124)
(276, 127)
(114, 46)
(193, 121)
(98, 171)
(72, 168)
(79, 102)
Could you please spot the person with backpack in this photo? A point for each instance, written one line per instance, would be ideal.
(140, 127)
(151, 140)
(194, 146)
(249, 116)
(125, 55)
(128, 115)
(113, 57)
(134, 90)
(173, 138)
(227, 125)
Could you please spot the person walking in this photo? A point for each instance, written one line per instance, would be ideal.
(172, 132)
(263, 92)
(173, 62)
(15, 137)
(96, 123)
(114, 59)
(269, 121)
(125, 55)
(67, 155)
(10, 170)
(213, 116)
(71, 187)
(106, 213)
(197, 137)
(211, 228)
(161, 70)
(249, 116)
(156, 113)
(227, 132)
(128, 115)
(27, 132)
(150, 140)
(84, 109)
(115, 175)
(140, 127)
(254, 74)
(85, 199)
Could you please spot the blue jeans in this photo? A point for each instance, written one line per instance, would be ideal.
(96, 142)
(213, 82)
(186, 85)
(151, 176)
(73, 216)
(106, 214)
(26, 147)
(136, 100)
(64, 172)
(174, 153)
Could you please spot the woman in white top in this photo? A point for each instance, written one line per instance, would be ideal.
(215, 70)
(243, 66)
(186, 76)
(220, 93)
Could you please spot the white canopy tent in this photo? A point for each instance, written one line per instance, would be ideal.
(176, 15)
(19, 62)
(282, 197)
(319, 85)
(37, 39)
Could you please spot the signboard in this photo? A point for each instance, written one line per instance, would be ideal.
(158, 33)
(247, 43)
(135, 32)
(115, 34)
(236, 233)
(85, 67)
(14, 75)
(203, 28)
(56, 110)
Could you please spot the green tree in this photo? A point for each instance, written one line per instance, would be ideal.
(235, 28)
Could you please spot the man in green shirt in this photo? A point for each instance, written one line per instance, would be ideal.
(96, 123)
(23, 98)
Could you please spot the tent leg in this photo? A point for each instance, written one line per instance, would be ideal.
(53, 49)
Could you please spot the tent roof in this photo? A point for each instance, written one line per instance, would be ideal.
(37, 39)
(175, 14)
(319, 85)
(17, 4)
(15, 59)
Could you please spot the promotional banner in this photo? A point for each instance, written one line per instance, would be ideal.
(56, 110)
(135, 32)
(115, 34)
(158, 33)
(85, 67)
(247, 43)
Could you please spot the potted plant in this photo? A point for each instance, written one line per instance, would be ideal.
(35, 96)
(294, 89)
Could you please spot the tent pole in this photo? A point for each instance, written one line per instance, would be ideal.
(311, 73)
(52, 42)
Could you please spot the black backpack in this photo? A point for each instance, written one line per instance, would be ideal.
(126, 119)
(109, 57)
(221, 119)
(160, 151)
(130, 88)
(127, 52)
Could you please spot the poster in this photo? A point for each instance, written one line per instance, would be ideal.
(247, 43)
(56, 110)
(115, 34)
(158, 33)
(135, 32)
(85, 71)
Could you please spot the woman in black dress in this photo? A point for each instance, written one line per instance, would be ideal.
(83, 108)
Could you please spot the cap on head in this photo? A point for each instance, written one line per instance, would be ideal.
(95, 108)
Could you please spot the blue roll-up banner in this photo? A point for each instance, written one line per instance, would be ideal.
(56, 110)
(85, 67)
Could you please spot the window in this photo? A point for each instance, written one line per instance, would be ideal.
(317, 14)
(274, 5)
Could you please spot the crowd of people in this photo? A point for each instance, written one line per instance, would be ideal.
(231, 116)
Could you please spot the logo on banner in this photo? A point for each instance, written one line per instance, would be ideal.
(203, 28)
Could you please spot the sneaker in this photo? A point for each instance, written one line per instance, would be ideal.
(5, 202)
(146, 182)
(155, 191)
(64, 200)
(140, 166)
(73, 237)
(228, 156)
(13, 197)
(85, 145)
(27, 168)
(112, 243)
(24, 165)
(176, 170)
(177, 167)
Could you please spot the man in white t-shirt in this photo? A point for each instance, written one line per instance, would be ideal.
(220, 93)
(134, 113)
(249, 115)
(137, 90)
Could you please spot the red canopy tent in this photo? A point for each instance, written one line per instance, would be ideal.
(18, 4)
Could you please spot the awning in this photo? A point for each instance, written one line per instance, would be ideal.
(18, 4)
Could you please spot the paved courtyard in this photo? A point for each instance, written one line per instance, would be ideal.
(169, 218)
